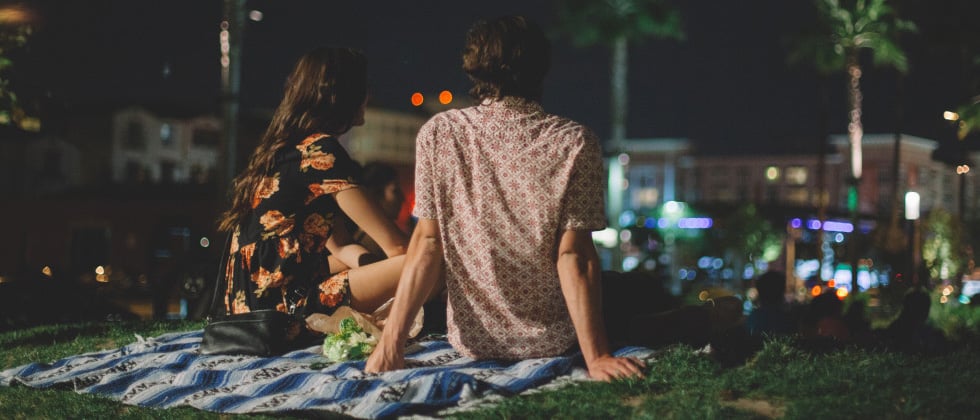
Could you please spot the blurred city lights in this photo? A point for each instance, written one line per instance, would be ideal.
(624, 159)
(695, 222)
(629, 263)
(225, 47)
(796, 223)
(831, 283)
(962, 169)
(841, 293)
(101, 274)
(255, 15)
(911, 205)
(625, 235)
(772, 173)
(14, 14)
(47, 271)
(205, 242)
(704, 295)
(832, 226)
(607, 237)
(627, 218)
(417, 99)
(950, 116)
(944, 299)
(815, 291)
(445, 97)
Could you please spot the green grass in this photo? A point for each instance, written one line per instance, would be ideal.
(53, 342)
(783, 379)
(779, 381)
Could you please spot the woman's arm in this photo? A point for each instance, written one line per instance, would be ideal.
(344, 251)
(367, 214)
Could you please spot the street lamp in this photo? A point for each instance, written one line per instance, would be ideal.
(912, 213)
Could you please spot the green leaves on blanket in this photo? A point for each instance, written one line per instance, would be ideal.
(351, 343)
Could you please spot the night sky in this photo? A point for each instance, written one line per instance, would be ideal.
(727, 86)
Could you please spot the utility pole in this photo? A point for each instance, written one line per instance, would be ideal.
(230, 39)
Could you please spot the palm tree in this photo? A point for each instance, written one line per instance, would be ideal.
(616, 23)
(846, 27)
(15, 29)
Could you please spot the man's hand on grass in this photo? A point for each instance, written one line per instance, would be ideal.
(608, 368)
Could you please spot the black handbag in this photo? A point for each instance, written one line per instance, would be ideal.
(266, 332)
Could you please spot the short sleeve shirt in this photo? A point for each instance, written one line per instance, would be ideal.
(504, 179)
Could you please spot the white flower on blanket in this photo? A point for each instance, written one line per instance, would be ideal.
(350, 343)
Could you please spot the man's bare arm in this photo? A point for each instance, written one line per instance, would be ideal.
(578, 271)
(419, 278)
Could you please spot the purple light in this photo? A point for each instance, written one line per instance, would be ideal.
(795, 223)
(813, 224)
(832, 226)
(662, 223)
(694, 222)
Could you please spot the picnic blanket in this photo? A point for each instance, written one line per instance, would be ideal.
(168, 371)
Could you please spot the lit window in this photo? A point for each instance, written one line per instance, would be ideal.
(796, 175)
(166, 135)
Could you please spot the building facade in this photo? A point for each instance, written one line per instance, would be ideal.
(150, 147)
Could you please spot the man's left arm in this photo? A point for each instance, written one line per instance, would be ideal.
(578, 271)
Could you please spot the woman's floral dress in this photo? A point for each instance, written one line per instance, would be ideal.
(277, 256)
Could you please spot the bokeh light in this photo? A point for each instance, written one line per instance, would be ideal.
(445, 97)
(417, 99)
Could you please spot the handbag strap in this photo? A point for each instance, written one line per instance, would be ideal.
(221, 273)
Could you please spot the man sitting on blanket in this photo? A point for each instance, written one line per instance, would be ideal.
(507, 196)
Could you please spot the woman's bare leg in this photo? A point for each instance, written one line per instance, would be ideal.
(373, 284)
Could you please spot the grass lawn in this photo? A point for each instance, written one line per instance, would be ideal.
(784, 379)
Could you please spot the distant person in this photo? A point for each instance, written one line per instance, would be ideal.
(911, 330)
(824, 319)
(857, 322)
(286, 203)
(771, 315)
(380, 182)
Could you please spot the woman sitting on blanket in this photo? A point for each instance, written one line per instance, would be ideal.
(289, 251)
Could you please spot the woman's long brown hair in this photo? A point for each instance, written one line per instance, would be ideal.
(323, 94)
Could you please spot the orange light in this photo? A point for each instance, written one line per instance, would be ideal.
(831, 283)
(417, 99)
(445, 97)
(815, 291)
(841, 294)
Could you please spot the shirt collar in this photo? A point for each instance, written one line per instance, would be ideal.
(511, 103)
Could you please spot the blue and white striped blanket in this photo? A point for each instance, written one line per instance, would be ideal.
(167, 371)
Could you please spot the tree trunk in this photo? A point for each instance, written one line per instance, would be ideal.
(854, 128)
(822, 198)
(854, 133)
(618, 83)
